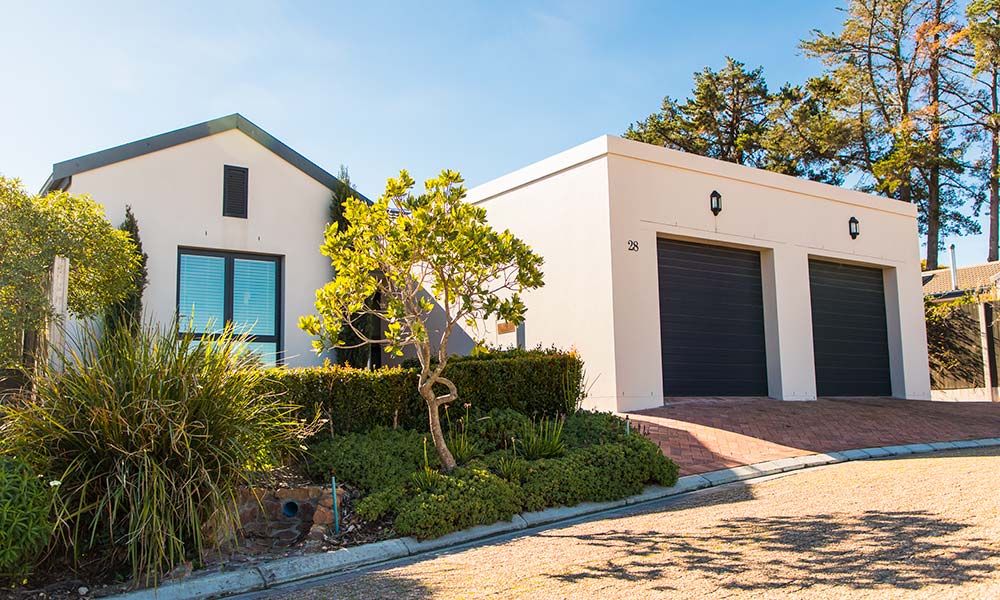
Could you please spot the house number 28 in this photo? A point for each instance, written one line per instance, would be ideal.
(633, 246)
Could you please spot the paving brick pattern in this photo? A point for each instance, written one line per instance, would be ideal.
(705, 434)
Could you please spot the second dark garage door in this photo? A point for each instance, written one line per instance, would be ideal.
(850, 338)
(711, 320)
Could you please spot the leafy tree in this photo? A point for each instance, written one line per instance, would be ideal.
(726, 118)
(354, 351)
(887, 61)
(978, 61)
(733, 117)
(413, 251)
(810, 135)
(128, 311)
(33, 231)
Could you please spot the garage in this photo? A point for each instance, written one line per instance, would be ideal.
(850, 340)
(711, 320)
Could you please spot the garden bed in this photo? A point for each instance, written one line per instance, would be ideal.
(390, 486)
(508, 464)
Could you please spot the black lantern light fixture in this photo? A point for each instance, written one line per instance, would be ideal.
(716, 202)
(853, 228)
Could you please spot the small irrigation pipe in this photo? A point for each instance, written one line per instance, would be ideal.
(628, 426)
(336, 509)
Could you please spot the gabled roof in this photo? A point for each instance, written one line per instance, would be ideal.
(63, 171)
(973, 278)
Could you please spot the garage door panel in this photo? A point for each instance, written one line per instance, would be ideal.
(691, 326)
(850, 333)
(711, 339)
(711, 320)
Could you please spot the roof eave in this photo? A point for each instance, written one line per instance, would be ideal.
(67, 168)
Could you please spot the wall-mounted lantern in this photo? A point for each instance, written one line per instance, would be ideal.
(715, 202)
(853, 228)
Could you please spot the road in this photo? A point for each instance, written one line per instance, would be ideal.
(920, 527)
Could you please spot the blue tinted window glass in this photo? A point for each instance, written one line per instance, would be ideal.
(254, 295)
(267, 352)
(202, 294)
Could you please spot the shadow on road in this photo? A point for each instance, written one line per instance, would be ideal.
(904, 550)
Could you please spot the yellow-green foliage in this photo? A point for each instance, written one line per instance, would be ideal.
(33, 231)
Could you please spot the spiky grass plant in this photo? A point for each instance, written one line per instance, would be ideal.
(542, 439)
(151, 432)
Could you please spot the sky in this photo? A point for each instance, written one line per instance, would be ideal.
(479, 87)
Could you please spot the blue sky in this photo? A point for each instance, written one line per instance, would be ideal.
(481, 87)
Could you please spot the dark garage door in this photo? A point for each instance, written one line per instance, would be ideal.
(849, 330)
(711, 320)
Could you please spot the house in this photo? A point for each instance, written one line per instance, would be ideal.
(678, 275)
(954, 282)
(232, 220)
(672, 274)
(963, 345)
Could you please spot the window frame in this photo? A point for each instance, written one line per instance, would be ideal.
(229, 281)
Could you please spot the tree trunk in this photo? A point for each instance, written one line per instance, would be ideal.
(994, 169)
(30, 344)
(994, 195)
(934, 183)
(426, 388)
(933, 222)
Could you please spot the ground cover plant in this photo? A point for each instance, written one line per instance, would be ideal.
(25, 525)
(517, 464)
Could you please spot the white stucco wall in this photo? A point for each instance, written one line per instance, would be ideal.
(580, 208)
(176, 195)
(565, 219)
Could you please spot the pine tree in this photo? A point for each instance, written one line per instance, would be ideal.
(887, 59)
(978, 62)
(128, 311)
(726, 117)
(355, 351)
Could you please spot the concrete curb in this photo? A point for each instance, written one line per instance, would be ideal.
(287, 570)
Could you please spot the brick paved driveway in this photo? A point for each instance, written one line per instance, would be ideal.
(706, 434)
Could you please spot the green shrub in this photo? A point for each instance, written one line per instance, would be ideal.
(357, 400)
(490, 353)
(371, 461)
(353, 400)
(511, 467)
(535, 385)
(457, 500)
(463, 444)
(589, 428)
(151, 433)
(600, 473)
(599, 463)
(25, 524)
(541, 440)
(497, 428)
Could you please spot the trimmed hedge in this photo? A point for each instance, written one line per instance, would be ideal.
(536, 383)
